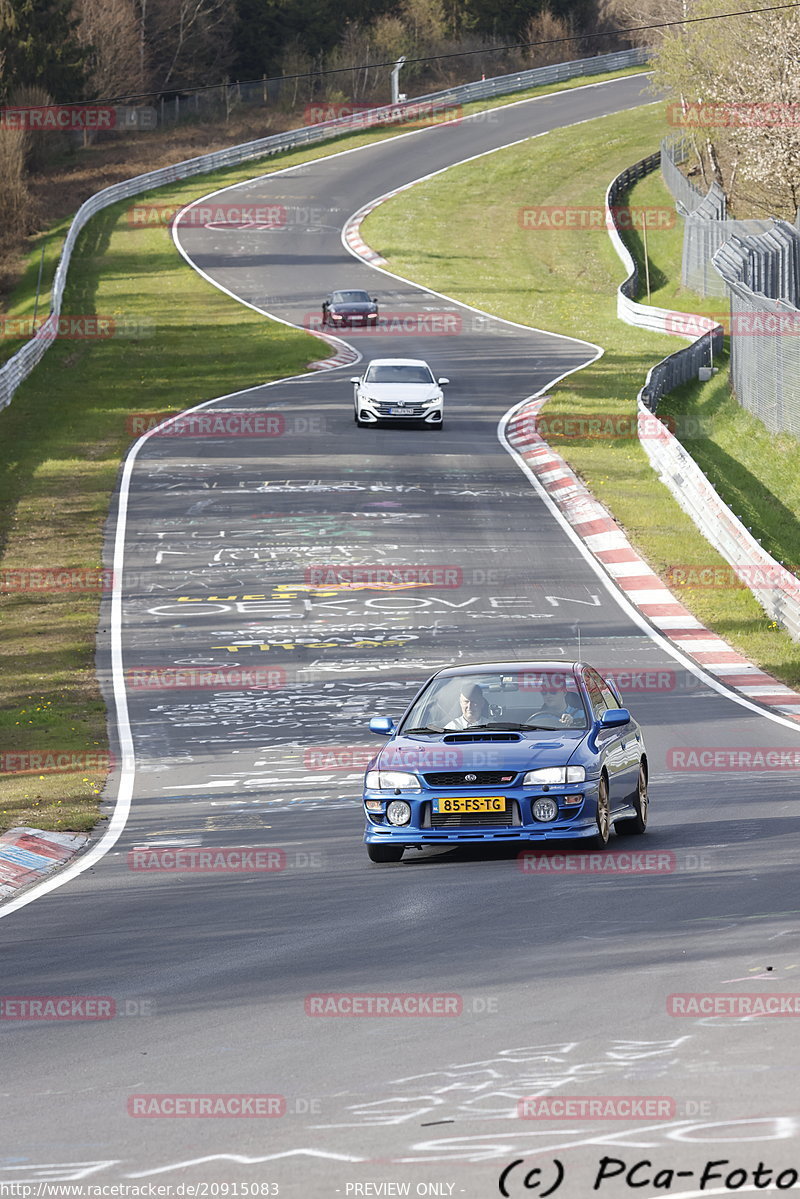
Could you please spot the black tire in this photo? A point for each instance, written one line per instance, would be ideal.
(384, 853)
(438, 426)
(634, 826)
(601, 837)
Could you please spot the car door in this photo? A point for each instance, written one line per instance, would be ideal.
(611, 744)
(633, 744)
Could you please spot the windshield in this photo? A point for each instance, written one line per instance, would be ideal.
(398, 373)
(543, 699)
(351, 297)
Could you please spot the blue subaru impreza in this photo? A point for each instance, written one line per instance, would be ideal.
(508, 751)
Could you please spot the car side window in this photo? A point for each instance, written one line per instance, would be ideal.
(595, 692)
(609, 698)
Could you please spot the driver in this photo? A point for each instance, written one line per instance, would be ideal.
(564, 706)
(474, 708)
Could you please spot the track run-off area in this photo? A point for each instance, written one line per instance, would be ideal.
(240, 688)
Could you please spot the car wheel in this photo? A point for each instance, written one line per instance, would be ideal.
(637, 824)
(438, 426)
(600, 838)
(385, 853)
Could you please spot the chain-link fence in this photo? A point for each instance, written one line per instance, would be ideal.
(706, 225)
(762, 275)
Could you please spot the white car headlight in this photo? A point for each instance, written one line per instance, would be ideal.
(554, 776)
(391, 780)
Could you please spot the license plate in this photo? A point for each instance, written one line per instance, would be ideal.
(398, 412)
(470, 803)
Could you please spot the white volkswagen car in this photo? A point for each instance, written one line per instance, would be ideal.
(398, 389)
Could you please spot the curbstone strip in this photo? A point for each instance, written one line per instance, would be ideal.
(642, 587)
(28, 854)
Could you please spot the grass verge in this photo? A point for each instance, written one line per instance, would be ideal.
(461, 233)
(62, 441)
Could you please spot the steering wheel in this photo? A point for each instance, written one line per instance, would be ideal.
(555, 717)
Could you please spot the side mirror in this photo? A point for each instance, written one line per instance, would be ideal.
(382, 725)
(442, 382)
(355, 379)
(374, 299)
(614, 718)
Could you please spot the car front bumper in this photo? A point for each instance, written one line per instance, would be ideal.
(373, 413)
(573, 821)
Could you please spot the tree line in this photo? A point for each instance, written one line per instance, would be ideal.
(99, 49)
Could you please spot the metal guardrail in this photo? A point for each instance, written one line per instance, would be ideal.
(774, 587)
(683, 365)
(18, 367)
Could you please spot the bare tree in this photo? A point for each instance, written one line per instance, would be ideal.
(110, 28)
(736, 90)
(189, 39)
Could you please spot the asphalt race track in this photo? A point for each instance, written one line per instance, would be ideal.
(562, 978)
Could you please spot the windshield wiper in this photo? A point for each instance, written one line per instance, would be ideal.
(424, 729)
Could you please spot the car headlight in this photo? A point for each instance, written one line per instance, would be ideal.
(398, 812)
(554, 776)
(392, 780)
(544, 809)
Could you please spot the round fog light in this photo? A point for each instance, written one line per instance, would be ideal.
(545, 809)
(398, 812)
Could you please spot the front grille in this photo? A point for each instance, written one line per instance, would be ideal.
(407, 410)
(475, 819)
(474, 778)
